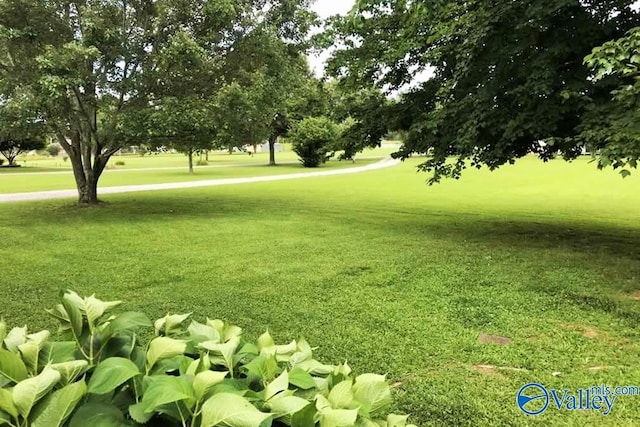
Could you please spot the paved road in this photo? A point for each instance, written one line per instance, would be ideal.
(60, 194)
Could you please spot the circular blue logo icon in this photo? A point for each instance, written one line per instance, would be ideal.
(533, 399)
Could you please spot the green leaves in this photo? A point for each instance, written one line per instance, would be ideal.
(27, 392)
(373, 393)
(205, 381)
(174, 381)
(12, 367)
(164, 348)
(232, 411)
(111, 373)
(57, 407)
(166, 389)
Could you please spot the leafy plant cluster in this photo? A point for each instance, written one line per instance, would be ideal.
(188, 374)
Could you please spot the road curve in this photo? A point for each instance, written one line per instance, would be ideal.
(61, 194)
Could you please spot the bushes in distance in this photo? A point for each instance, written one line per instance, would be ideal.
(189, 374)
(312, 140)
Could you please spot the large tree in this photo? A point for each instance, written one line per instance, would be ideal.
(506, 76)
(96, 70)
(613, 129)
(21, 130)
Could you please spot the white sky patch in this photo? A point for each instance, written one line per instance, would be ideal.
(327, 8)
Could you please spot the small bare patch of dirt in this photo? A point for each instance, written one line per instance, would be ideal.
(493, 339)
(597, 368)
(634, 296)
(586, 331)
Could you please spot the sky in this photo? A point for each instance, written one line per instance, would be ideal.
(326, 8)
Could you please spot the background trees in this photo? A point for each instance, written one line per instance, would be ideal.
(97, 72)
(506, 76)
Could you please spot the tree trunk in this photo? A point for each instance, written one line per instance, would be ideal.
(87, 167)
(190, 154)
(255, 148)
(88, 192)
(272, 150)
(206, 155)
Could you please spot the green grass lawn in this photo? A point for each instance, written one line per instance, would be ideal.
(377, 269)
(177, 160)
(15, 183)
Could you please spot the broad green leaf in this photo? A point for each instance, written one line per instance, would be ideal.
(226, 409)
(225, 329)
(264, 368)
(3, 330)
(199, 365)
(205, 381)
(165, 389)
(338, 417)
(31, 349)
(164, 348)
(27, 392)
(305, 417)
(366, 422)
(265, 341)
(5, 419)
(15, 337)
(170, 323)
(6, 402)
(59, 405)
(138, 414)
(127, 321)
(71, 370)
(394, 420)
(224, 350)
(96, 414)
(74, 314)
(301, 379)
(111, 373)
(57, 352)
(276, 386)
(341, 396)
(314, 367)
(12, 367)
(373, 393)
(95, 308)
(287, 405)
(199, 329)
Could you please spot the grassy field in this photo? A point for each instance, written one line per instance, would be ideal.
(14, 183)
(176, 160)
(378, 269)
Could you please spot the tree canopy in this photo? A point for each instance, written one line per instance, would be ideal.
(97, 72)
(508, 78)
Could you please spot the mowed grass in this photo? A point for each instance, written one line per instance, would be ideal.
(16, 183)
(172, 160)
(377, 269)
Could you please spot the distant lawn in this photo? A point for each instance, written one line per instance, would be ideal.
(15, 183)
(377, 269)
(136, 161)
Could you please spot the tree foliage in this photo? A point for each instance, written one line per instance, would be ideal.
(613, 129)
(98, 71)
(505, 75)
(313, 139)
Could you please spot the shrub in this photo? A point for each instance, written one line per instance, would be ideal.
(65, 158)
(53, 149)
(189, 373)
(312, 139)
(120, 163)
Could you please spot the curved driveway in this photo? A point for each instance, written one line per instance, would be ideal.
(59, 194)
